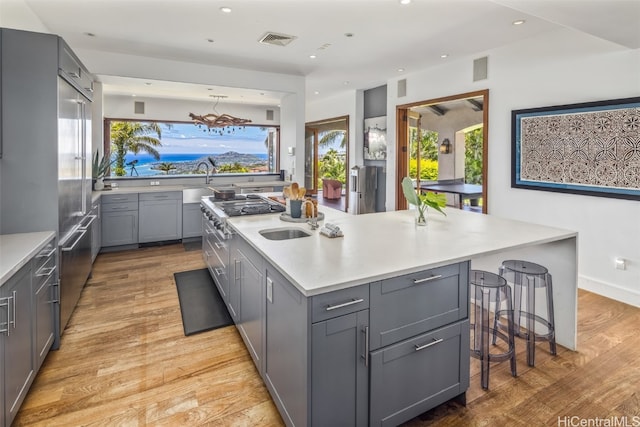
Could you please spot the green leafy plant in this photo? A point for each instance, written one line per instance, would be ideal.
(100, 166)
(422, 201)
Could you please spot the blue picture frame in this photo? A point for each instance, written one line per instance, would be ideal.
(590, 148)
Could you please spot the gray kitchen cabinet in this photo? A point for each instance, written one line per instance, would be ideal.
(191, 220)
(249, 285)
(408, 305)
(72, 70)
(160, 216)
(17, 341)
(339, 371)
(286, 364)
(418, 374)
(215, 251)
(44, 286)
(119, 219)
(96, 230)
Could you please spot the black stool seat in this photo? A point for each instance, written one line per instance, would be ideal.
(530, 276)
(487, 289)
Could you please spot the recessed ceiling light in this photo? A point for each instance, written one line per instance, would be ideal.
(312, 56)
(133, 94)
(316, 93)
(210, 40)
(519, 22)
(405, 1)
(148, 83)
(444, 55)
(400, 70)
(346, 82)
(225, 9)
(89, 34)
(348, 34)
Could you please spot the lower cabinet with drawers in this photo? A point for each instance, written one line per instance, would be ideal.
(377, 354)
(27, 326)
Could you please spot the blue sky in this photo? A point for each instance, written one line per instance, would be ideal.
(188, 138)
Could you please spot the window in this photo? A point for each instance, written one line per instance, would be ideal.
(150, 148)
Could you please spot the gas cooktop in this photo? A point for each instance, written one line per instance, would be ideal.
(250, 204)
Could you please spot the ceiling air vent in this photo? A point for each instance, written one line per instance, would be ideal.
(276, 39)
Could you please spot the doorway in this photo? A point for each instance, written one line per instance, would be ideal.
(326, 160)
(442, 143)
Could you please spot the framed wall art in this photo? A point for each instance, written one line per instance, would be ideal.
(590, 148)
(375, 138)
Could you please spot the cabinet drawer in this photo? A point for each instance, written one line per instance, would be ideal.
(118, 198)
(161, 195)
(44, 271)
(428, 370)
(124, 206)
(409, 305)
(46, 255)
(338, 303)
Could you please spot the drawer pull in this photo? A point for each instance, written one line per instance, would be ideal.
(344, 304)
(434, 342)
(426, 279)
(46, 255)
(45, 271)
(218, 245)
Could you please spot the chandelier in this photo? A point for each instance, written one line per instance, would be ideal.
(214, 121)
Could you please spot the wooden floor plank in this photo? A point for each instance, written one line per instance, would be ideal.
(124, 361)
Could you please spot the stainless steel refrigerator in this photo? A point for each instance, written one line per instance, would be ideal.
(363, 185)
(74, 195)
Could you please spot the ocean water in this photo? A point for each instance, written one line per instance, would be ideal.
(146, 161)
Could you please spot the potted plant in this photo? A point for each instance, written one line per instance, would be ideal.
(422, 201)
(99, 170)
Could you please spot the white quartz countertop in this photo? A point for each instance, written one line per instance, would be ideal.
(387, 244)
(17, 249)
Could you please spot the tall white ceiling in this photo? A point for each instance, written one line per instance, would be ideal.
(386, 36)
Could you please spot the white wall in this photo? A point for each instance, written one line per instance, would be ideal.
(560, 68)
(122, 107)
(16, 14)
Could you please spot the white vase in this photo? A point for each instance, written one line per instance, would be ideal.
(99, 184)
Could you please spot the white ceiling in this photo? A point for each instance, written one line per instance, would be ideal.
(387, 36)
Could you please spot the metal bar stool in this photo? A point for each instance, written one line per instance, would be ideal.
(486, 289)
(528, 275)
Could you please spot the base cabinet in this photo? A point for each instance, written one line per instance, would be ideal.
(249, 286)
(191, 223)
(418, 374)
(160, 216)
(368, 355)
(17, 344)
(339, 371)
(119, 220)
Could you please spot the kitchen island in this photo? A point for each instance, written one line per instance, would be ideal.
(372, 328)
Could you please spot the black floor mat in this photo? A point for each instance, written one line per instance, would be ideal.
(201, 306)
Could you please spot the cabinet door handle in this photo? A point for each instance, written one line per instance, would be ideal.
(55, 293)
(344, 304)
(434, 342)
(365, 356)
(73, 246)
(160, 197)
(218, 271)
(218, 245)
(426, 279)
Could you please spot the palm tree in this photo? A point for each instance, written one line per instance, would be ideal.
(134, 137)
(165, 167)
(331, 136)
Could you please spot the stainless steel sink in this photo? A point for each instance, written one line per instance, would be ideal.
(193, 195)
(283, 233)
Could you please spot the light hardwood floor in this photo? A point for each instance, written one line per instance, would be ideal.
(124, 361)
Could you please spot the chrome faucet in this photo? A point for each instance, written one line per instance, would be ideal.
(313, 219)
(206, 165)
